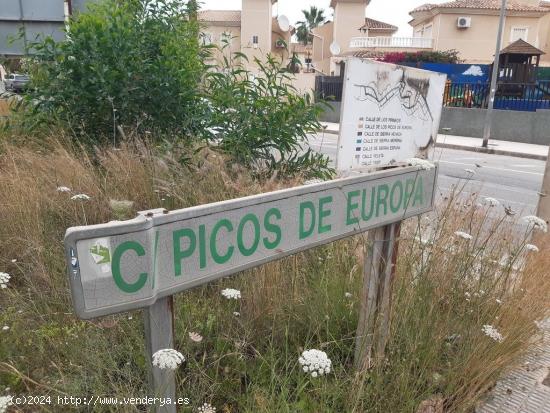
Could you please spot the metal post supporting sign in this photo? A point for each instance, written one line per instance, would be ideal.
(141, 263)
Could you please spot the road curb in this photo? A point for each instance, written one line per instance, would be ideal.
(490, 151)
(330, 131)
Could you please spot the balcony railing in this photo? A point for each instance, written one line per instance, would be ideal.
(391, 42)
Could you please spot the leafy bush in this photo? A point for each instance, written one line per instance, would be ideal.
(125, 64)
(261, 120)
(449, 56)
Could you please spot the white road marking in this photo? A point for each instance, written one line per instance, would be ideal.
(496, 169)
(524, 166)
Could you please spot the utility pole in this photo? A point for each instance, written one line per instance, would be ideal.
(494, 78)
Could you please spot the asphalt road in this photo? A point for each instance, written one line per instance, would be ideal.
(513, 181)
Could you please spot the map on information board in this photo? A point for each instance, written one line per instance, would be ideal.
(389, 113)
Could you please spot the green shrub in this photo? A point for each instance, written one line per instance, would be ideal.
(261, 120)
(126, 65)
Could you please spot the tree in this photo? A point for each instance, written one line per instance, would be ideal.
(127, 65)
(313, 17)
(261, 121)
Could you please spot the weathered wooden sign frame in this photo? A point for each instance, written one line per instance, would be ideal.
(141, 263)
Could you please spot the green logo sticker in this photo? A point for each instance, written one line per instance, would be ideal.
(100, 253)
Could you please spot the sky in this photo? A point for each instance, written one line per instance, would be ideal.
(395, 12)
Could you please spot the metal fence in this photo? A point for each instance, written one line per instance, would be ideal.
(466, 95)
(329, 87)
(509, 96)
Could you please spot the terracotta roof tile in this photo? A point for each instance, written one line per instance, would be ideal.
(371, 24)
(513, 5)
(220, 16)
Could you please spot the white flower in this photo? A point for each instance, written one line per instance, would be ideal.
(231, 294)
(498, 301)
(470, 171)
(531, 247)
(80, 197)
(168, 359)
(424, 241)
(63, 189)
(5, 328)
(196, 337)
(5, 402)
(315, 362)
(348, 295)
(121, 206)
(206, 408)
(464, 235)
(421, 163)
(4, 279)
(536, 222)
(492, 332)
(236, 314)
(492, 202)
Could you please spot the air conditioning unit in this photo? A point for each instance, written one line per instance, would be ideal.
(463, 22)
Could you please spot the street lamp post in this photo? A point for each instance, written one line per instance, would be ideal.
(494, 78)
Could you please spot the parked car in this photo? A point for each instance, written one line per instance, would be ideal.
(16, 82)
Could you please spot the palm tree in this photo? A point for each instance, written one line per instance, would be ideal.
(313, 18)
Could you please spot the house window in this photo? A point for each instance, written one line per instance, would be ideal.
(427, 32)
(255, 40)
(419, 32)
(206, 38)
(519, 33)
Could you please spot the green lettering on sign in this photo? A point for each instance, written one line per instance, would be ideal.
(273, 228)
(220, 259)
(409, 186)
(115, 267)
(178, 253)
(240, 241)
(303, 232)
(419, 192)
(202, 246)
(382, 198)
(395, 204)
(324, 213)
(366, 216)
(351, 219)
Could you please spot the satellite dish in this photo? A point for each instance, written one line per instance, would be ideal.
(284, 23)
(335, 48)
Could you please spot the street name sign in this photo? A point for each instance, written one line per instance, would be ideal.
(121, 266)
(389, 113)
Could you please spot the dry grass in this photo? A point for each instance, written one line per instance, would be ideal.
(445, 291)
